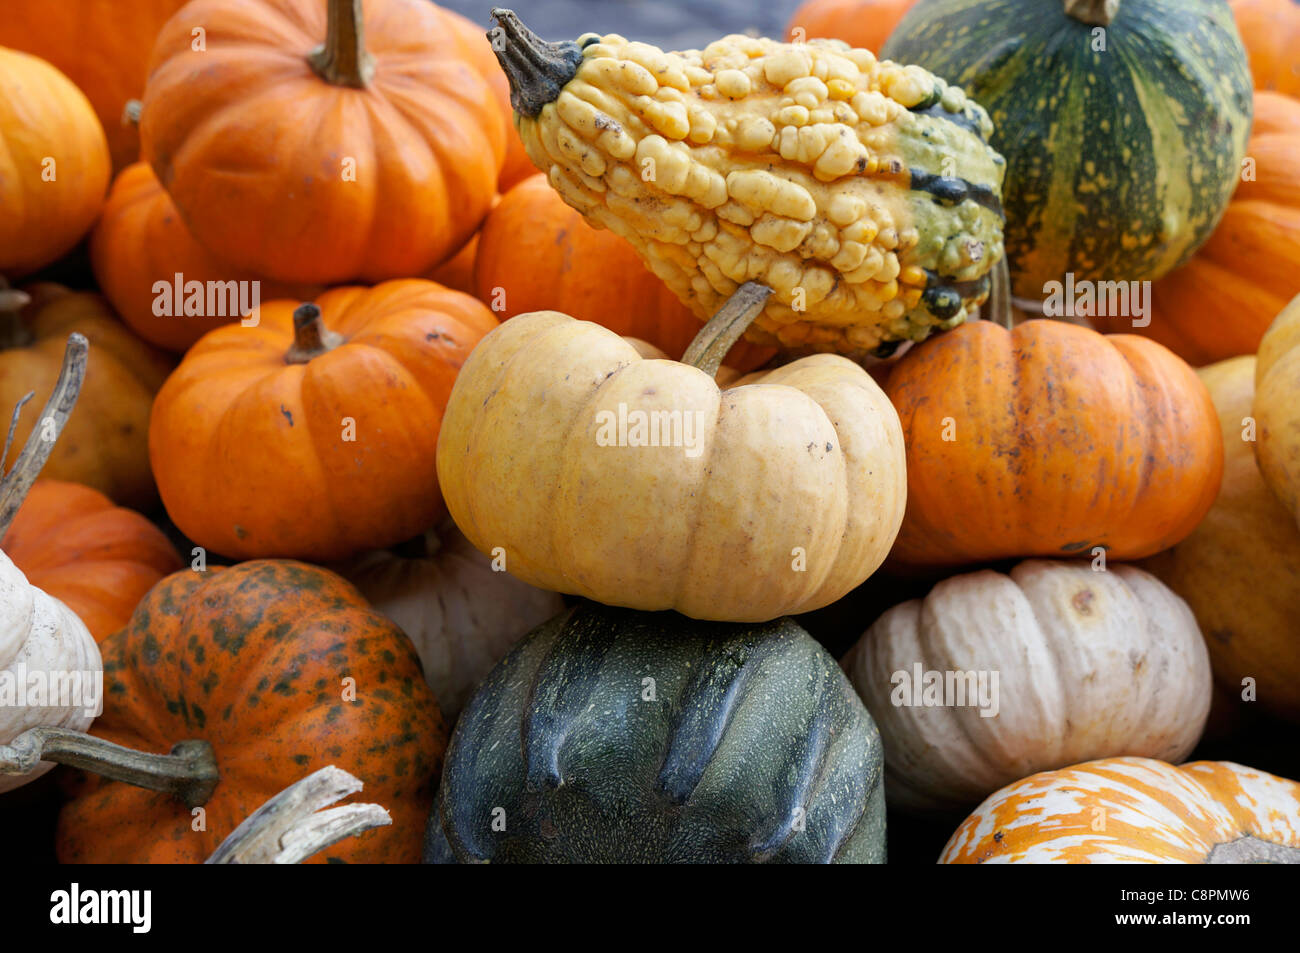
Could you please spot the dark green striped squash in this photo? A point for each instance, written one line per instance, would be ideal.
(1123, 123)
(615, 736)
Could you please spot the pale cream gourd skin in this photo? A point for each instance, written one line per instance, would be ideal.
(805, 458)
(1277, 382)
(864, 193)
(1090, 665)
(43, 634)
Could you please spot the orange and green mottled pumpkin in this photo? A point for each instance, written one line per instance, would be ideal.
(257, 660)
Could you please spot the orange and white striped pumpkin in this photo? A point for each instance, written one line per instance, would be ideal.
(1135, 811)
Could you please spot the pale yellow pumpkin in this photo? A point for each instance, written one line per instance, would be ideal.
(1277, 407)
(788, 493)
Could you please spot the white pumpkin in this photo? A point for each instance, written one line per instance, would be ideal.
(1078, 664)
(462, 616)
(41, 636)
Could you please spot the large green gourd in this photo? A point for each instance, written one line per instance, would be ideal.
(613, 736)
(1123, 123)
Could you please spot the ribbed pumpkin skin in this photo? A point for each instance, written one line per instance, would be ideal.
(1277, 407)
(252, 659)
(96, 558)
(1239, 570)
(141, 239)
(1220, 303)
(753, 733)
(1047, 441)
(1270, 30)
(542, 255)
(44, 117)
(1103, 178)
(1150, 813)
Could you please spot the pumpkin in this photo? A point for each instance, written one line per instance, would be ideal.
(96, 558)
(312, 435)
(457, 272)
(1277, 386)
(1135, 811)
(1270, 30)
(861, 23)
(105, 444)
(610, 736)
(993, 677)
(1050, 440)
(1239, 570)
(536, 253)
(41, 639)
(54, 164)
(102, 46)
(1221, 302)
(373, 156)
(1123, 123)
(863, 193)
(640, 483)
(283, 668)
(460, 612)
(140, 241)
(476, 49)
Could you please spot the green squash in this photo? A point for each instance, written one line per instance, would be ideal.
(1123, 135)
(614, 736)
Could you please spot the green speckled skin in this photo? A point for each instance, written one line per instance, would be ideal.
(1119, 162)
(754, 749)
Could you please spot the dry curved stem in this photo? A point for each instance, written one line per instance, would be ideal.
(293, 825)
(537, 69)
(15, 484)
(189, 772)
(726, 327)
(342, 59)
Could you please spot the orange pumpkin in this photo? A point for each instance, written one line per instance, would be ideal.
(375, 156)
(860, 23)
(54, 163)
(102, 46)
(1221, 302)
(478, 51)
(140, 240)
(105, 443)
(313, 434)
(1270, 29)
(535, 253)
(1135, 811)
(283, 668)
(1050, 440)
(97, 558)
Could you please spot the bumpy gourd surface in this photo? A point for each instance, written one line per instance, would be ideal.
(863, 192)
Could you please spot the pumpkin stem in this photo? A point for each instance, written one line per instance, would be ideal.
(1251, 850)
(537, 69)
(40, 442)
(726, 327)
(342, 59)
(998, 306)
(131, 112)
(189, 772)
(293, 825)
(1095, 12)
(13, 330)
(310, 336)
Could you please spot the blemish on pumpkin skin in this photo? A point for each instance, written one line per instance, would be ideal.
(1082, 601)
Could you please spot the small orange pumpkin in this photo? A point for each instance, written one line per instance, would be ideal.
(1050, 440)
(864, 24)
(313, 434)
(1270, 30)
(54, 163)
(140, 240)
(535, 253)
(96, 558)
(374, 156)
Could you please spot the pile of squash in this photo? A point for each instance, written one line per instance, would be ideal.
(608, 454)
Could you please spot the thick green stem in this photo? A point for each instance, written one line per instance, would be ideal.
(310, 336)
(342, 59)
(726, 327)
(40, 442)
(537, 69)
(1093, 12)
(189, 772)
